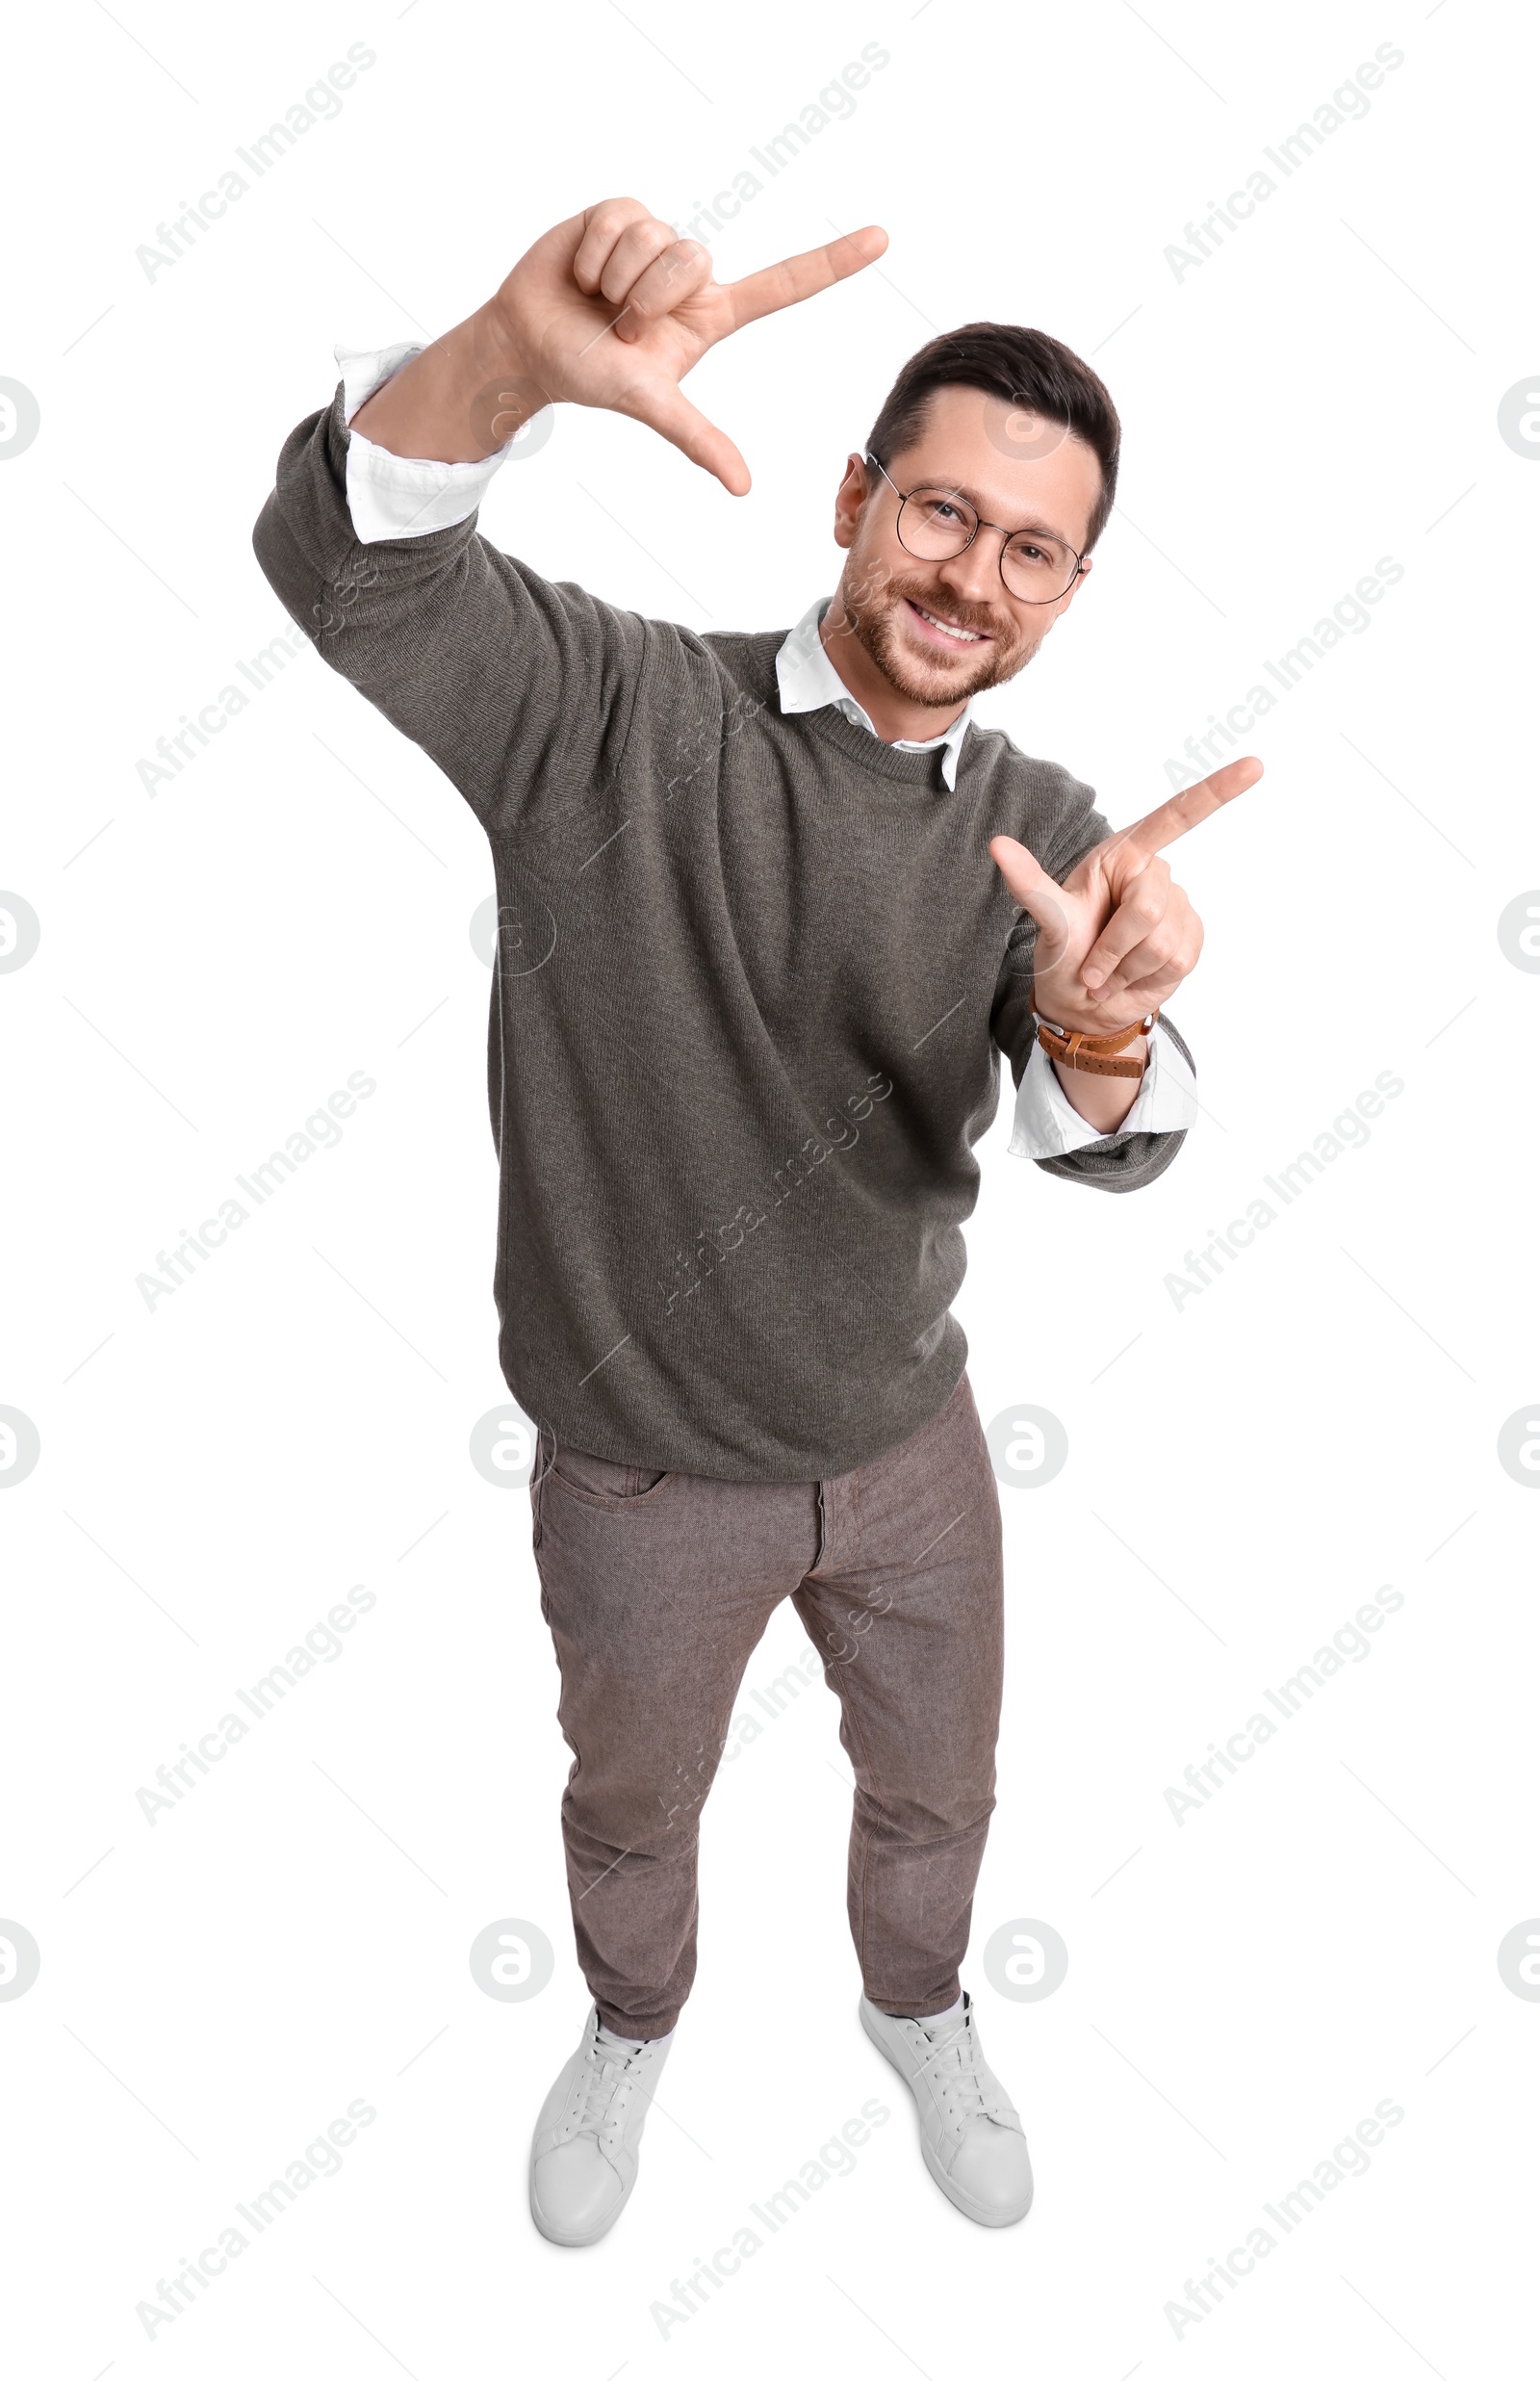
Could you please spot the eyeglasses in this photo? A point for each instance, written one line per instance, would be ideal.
(936, 524)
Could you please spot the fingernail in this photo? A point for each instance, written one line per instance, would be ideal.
(1092, 976)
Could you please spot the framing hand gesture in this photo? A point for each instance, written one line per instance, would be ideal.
(1118, 936)
(611, 309)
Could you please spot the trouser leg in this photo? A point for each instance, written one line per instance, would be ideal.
(655, 1602)
(906, 1604)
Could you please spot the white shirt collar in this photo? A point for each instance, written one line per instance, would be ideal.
(808, 680)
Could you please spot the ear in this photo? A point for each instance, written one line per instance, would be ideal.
(850, 499)
(1084, 573)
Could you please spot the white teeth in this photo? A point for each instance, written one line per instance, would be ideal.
(973, 636)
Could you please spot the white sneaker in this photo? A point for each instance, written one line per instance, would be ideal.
(971, 2137)
(583, 2161)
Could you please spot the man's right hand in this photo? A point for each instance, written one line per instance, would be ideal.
(607, 309)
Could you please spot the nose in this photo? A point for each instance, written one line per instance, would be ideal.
(974, 573)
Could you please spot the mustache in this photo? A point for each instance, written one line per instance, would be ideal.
(976, 616)
(890, 587)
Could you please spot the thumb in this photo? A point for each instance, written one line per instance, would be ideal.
(669, 413)
(1038, 894)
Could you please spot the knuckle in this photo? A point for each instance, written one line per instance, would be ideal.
(610, 218)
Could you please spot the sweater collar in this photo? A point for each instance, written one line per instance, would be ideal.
(808, 681)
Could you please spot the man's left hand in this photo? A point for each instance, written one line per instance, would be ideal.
(1118, 936)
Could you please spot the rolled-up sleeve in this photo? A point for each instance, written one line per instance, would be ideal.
(520, 688)
(395, 495)
(1046, 1125)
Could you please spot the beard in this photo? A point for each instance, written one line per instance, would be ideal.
(937, 679)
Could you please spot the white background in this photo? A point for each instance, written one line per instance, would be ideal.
(1245, 1470)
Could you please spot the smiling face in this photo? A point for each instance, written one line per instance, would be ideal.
(938, 632)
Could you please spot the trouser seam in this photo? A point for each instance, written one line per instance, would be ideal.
(847, 1706)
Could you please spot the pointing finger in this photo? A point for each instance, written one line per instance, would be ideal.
(797, 277)
(1185, 810)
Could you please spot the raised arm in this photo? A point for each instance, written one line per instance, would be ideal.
(520, 688)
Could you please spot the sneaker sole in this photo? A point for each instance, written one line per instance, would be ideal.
(960, 2199)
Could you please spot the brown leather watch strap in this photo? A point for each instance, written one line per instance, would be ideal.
(1096, 1053)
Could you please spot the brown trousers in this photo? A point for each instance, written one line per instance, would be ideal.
(658, 1587)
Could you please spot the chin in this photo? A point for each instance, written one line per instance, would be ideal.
(939, 679)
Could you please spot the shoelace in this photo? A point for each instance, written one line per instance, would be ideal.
(954, 2060)
(605, 2085)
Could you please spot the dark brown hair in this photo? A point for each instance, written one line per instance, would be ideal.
(1028, 369)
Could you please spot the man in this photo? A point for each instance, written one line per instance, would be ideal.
(770, 908)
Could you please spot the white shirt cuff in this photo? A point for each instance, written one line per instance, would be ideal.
(391, 495)
(1046, 1125)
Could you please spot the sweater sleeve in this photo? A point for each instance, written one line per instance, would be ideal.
(1119, 1162)
(520, 688)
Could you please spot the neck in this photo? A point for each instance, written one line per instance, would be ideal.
(892, 714)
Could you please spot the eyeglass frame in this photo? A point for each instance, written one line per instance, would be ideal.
(979, 523)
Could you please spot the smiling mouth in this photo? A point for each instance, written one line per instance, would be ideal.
(948, 634)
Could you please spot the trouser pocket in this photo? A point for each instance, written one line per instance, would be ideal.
(596, 1480)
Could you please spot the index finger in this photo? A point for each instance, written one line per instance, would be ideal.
(1189, 809)
(797, 277)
